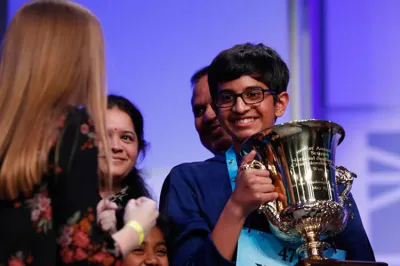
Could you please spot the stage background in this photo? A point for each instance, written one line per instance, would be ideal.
(153, 48)
(362, 94)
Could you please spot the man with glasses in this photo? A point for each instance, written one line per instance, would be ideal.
(213, 137)
(212, 204)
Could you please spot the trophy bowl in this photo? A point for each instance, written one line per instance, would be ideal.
(300, 156)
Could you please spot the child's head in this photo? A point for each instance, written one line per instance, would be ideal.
(153, 250)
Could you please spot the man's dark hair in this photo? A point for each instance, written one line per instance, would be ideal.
(198, 75)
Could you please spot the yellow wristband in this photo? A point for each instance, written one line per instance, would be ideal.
(139, 229)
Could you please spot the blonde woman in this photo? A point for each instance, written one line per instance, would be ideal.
(53, 61)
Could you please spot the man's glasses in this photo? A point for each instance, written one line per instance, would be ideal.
(250, 96)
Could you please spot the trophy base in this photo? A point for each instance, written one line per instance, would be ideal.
(327, 262)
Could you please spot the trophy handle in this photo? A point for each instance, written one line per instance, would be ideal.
(346, 177)
(269, 209)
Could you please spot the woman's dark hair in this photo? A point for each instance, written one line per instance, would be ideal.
(134, 180)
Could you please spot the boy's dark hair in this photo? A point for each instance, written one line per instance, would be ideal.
(256, 60)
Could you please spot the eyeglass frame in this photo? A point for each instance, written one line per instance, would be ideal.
(236, 95)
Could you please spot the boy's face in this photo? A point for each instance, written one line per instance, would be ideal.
(242, 120)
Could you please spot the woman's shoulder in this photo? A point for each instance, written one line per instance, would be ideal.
(77, 116)
(78, 124)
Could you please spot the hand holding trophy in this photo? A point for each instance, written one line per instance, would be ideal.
(300, 157)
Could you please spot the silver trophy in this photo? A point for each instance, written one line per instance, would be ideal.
(300, 156)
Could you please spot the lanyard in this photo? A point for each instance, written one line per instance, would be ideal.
(231, 162)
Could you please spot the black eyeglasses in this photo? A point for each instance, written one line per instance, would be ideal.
(250, 96)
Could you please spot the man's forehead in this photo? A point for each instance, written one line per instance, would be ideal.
(201, 96)
(201, 92)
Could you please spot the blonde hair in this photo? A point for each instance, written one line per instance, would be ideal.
(52, 57)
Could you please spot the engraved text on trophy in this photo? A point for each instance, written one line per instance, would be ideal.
(311, 172)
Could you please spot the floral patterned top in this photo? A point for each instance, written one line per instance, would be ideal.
(56, 223)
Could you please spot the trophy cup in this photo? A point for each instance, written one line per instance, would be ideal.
(300, 157)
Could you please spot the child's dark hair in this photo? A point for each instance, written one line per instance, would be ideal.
(256, 60)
